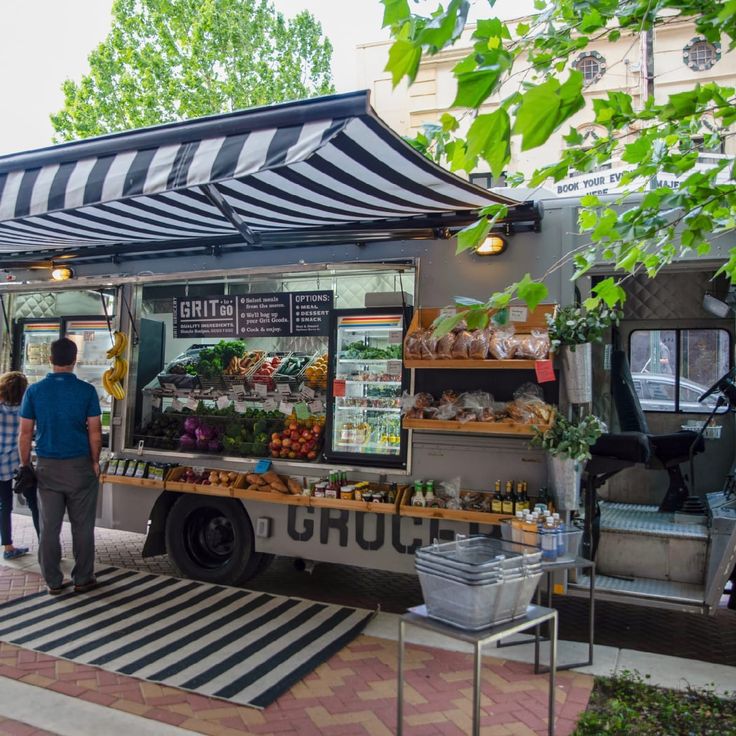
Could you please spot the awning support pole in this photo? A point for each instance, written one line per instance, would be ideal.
(213, 194)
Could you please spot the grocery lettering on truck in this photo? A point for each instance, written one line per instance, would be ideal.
(268, 346)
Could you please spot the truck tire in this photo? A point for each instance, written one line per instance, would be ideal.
(211, 539)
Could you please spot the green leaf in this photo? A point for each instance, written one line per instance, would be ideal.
(403, 60)
(637, 151)
(590, 200)
(473, 88)
(610, 291)
(522, 29)
(536, 117)
(592, 21)
(446, 324)
(571, 96)
(473, 235)
(449, 122)
(490, 137)
(477, 319)
(531, 292)
(395, 11)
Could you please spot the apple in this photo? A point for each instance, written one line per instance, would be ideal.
(294, 436)
(312, 455)
(276, 441)
(284, 453)
(286, 442)
(275, 436)
(274, 453)
(292, 455)
(317, 429)
(293, 426)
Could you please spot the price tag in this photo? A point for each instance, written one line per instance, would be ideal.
(283, 388)
(269, 404)
(240, 407)
(176, 405)
(191, 404)
(316, 406)
(169, 386)
(447, 312)
(394, 367)
(260, 389)
(302, 410)
(308, 393)
(518, 314)
(395, 337)
(262, 466)
(544, 370)
(338, 387)
(232, 396)
(156, 402)
(286, 408)
(222, 402)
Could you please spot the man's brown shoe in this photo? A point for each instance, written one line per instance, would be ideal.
(86, 587)
(59, 590)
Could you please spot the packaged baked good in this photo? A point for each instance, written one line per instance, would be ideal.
(412, 345)
(501, 344)
(461, 346)
(529, 407)
(449, 397)
(444, 346)
(532, 347)
(428, 346)
(478, 349)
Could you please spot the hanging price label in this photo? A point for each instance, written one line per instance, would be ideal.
(544, 370)
(286, 408)
(222, 402)
(338, 387)
(308, 393)
(261, 389)
(176, 405)
(316, 406)
(518, 314)
(191, 404)
(240, 407)
(302, 410)
(283, 388)
(269, 405)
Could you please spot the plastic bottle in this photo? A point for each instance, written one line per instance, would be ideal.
(549, 542)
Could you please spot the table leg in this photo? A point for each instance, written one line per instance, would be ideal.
(536, 635)
(591, 632)
(400, 684)
(552, 674)
(476, 690)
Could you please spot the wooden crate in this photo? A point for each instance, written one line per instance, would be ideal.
(173, 483)
(424, 317)
(124, 480)
(289, 499)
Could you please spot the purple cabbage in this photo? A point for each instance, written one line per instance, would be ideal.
(205, 432)
(202, 445)
(191, 424)
(187, 442)
(214, 445)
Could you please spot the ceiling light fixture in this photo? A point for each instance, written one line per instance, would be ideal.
(493, 245)
(62, 273)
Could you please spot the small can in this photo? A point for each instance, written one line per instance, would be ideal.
(331, 493)
(347, 493)
(358, 494)
(319, 492)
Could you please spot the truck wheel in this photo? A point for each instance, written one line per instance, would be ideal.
(211, 539)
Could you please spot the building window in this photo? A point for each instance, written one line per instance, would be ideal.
(487, 181)
(700, 55)
(672, 368)
(592, 65)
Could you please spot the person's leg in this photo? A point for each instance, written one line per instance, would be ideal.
(82, 507)
(31, 497)
(52, 506)
(6, 508)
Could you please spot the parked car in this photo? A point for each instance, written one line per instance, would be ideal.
(656, 392)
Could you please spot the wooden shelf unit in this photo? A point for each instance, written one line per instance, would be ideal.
(509, 429)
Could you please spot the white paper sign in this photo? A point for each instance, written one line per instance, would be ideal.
(156, 402)
(191, 404)
(315, 406)
(518, 314)
(240, 407)
(283, 388)
(169, 386)
(394, 367)
(269, 405)
(261, 389)
(286, 408)
(308, 393)
(222, 402)
(176, 405)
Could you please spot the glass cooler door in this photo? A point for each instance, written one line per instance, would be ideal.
(365, 387)
(36, 337)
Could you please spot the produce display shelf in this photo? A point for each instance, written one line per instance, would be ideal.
(199, 488)
(468, 364)
(478, 517)
(347, 505)
(125, 480)
(393, 409)
(512, 429)
(269, 497)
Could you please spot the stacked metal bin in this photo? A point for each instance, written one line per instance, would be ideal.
(477, 582)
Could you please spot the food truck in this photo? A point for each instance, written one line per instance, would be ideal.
(253, 294)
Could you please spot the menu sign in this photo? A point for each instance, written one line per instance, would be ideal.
(296, 314)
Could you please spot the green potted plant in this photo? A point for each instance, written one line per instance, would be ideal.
(567, 444)
(572, 330)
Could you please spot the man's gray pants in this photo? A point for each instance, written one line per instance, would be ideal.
(67, 485)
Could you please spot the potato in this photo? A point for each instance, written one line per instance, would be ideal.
(254, 488)
(255, 480)
(272, 477)
(280, 487)
(295, 487)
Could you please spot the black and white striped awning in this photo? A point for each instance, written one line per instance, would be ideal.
(325, 165)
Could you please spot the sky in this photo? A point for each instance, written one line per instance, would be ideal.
(44, 42)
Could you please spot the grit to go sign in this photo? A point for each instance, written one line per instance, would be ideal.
(296, 314)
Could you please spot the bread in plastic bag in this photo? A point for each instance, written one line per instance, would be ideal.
(412, 345)
(461, 346)
(501, 344)
(479, 344)
(428, 346)
(532, 347)
(444, 346)
(528, 406)
(449, 491)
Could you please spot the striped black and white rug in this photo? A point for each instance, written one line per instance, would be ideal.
(225, 642)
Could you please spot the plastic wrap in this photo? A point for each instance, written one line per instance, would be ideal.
(412, 345)
(444, 346)
(528, 406)
(461, 346)
(428, 346)
(479, 340)
(476, 406)
(532, 347)
(501, 344)
(449, 491)
(417, 406)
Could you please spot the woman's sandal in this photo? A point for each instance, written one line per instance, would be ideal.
(14, 554)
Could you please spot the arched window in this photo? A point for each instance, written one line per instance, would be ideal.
(592, 65)
(700, 55)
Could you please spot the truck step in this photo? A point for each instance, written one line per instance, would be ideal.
(655, 590)
(632, 518)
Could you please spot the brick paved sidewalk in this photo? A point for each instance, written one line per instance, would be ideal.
(353, 694)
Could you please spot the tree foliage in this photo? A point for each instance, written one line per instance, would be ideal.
(635, 235)
(166, 60)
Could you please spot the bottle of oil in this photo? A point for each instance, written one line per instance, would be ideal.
(497, 499)
(508, 499)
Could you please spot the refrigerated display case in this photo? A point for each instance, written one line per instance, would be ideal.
(365, 386)
(33, 342)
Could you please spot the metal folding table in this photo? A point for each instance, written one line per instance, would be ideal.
(534, 617)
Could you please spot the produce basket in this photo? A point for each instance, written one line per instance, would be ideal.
(293, 380)
(212, 383)
(477, 582)
(712, 432)
(186, 479)
(566, 545)
(178, 380)
(263, 374)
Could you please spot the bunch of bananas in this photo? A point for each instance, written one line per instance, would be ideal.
(113, 378)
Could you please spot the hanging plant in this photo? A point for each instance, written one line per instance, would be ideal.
(569, 439)
(572, 325)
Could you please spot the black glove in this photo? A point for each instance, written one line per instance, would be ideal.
(25, 480)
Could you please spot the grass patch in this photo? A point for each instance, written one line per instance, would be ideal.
(626, 705)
